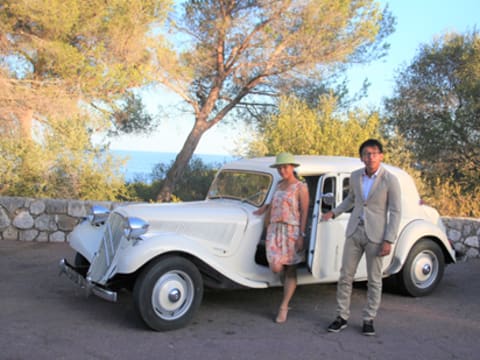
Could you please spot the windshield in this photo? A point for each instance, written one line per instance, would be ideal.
(246, 186)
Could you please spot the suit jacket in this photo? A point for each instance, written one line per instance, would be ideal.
(381, 209)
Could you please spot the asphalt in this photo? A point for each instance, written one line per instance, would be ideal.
(44, 316)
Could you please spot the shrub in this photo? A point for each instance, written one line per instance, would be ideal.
(450, 199)
(193, 185)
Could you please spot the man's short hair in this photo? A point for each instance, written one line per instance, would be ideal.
(371, 143)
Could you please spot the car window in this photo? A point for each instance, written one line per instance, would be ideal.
(345, 187)
(251, 187)
(329, 190)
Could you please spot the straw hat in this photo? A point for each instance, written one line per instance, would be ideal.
(284, 158)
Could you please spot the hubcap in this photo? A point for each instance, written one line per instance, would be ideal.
(424, 270)
(172, 295)
(427, 269)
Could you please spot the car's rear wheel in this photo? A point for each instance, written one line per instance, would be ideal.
(168, 292)
(423, 269)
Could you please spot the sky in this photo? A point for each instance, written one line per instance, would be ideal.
(417, 22)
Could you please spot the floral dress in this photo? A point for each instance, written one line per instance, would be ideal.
(284, 228)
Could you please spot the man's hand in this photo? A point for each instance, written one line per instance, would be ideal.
(385, 249)
(327, 216)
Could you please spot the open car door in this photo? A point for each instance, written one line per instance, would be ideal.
(328, 237)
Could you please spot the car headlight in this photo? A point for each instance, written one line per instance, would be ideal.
(98, 215)
(135, 227)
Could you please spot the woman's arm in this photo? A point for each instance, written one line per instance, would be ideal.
(304, 202)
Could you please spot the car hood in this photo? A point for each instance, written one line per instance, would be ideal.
(220, 223)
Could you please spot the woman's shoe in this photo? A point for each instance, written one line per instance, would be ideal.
(282, 315)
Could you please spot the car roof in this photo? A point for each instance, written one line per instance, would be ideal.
(315, 165)
(309, 164)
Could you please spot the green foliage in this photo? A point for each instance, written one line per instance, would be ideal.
(64, 164)
(451, 199)
(193, 185)
(303, 130)
(60, 58)
(131, 117)
(314, 90)
(142, 190)
(195, 181)
(436, 108)
(239, 55)
(68, 69)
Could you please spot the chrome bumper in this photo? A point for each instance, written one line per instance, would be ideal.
(86, 283)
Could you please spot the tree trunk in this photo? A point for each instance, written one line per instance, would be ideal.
(181, 161)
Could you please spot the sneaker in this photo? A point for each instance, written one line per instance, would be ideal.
(337, 325)
(368, 328)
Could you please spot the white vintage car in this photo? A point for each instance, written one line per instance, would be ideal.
(167, 253)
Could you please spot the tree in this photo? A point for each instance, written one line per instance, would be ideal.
(436, 108)
(237, 55)
(323, 130)
(62, 164)
(194, 185)
(61, 58)
(131, 117)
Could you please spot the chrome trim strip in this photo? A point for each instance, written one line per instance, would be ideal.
(86, 283)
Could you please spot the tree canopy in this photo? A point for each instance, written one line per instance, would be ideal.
(436, 108)
(239, 54)
(59, 58)
(68, 71)
(302, 130)
(63, 164)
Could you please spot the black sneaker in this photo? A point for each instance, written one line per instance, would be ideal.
(337, 325)
(368, 328)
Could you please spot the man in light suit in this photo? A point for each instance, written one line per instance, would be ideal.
(374, 195)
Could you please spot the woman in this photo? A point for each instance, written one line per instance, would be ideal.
(287, 219)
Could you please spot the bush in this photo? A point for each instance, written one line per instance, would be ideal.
(193, 185)
(61, 163)
(450, 199)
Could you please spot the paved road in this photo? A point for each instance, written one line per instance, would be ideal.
(42, 316)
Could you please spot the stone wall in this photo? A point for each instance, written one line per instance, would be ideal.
(465, 234)
(51, 220)
(42, 220)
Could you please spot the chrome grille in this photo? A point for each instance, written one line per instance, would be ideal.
(100, 268)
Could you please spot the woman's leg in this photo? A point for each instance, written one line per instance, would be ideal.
(289, 287)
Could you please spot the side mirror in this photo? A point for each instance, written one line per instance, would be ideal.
(98, 215)
(135, 227)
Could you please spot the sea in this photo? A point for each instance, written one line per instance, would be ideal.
(141, 163)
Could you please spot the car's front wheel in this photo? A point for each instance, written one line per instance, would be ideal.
(168, 292)
(423, 269)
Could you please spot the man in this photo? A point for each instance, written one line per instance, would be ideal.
(372, 229)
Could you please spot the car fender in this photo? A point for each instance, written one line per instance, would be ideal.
(133, 257)
(86, 239)
(411, 233)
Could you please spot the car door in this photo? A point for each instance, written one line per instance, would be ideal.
(328, 237)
